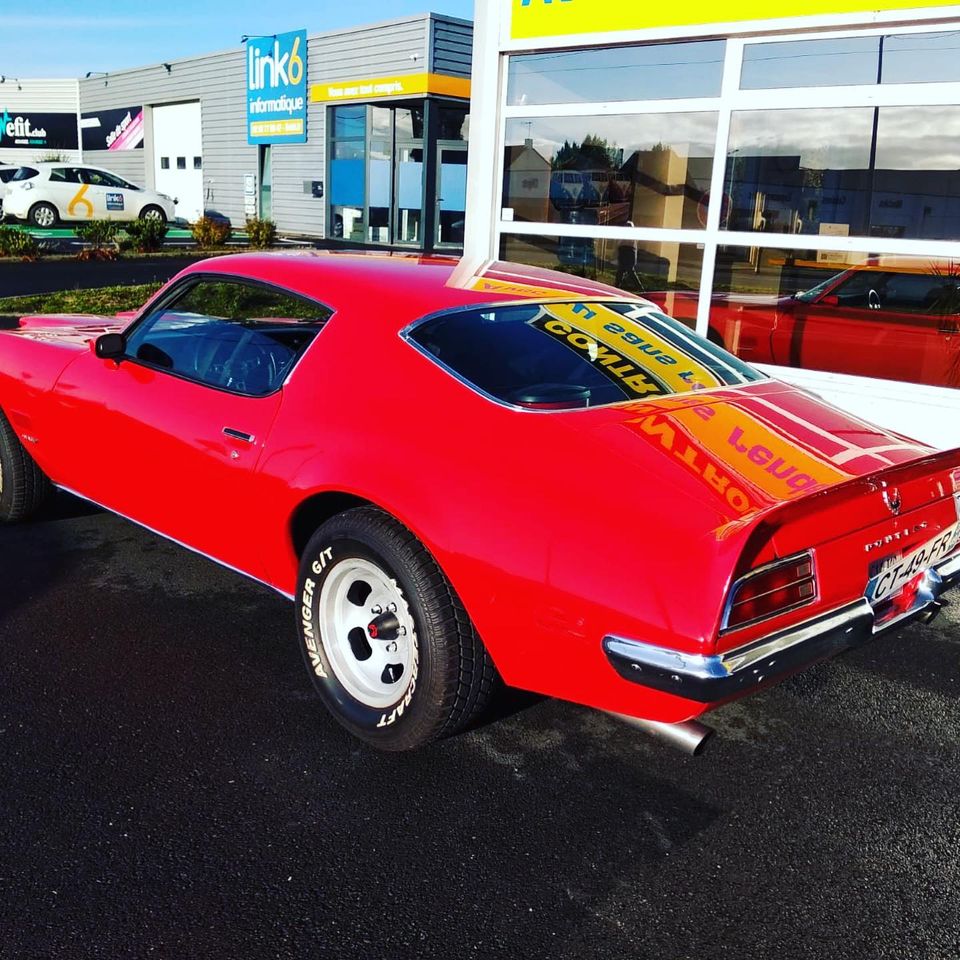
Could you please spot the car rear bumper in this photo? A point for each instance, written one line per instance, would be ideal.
(720, 676)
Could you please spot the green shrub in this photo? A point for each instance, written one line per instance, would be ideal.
(18, 243)
(208, 232)
(147, 235)
(261, 233)
(102, 237)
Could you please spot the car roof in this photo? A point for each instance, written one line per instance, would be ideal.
(394, 289)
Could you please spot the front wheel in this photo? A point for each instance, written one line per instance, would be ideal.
(23, 485)
(386, 640)
(153, 212)
(43, 215)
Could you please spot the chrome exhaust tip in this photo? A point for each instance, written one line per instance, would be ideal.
(690, 736)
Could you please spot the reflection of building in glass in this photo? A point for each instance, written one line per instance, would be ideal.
(778, 195)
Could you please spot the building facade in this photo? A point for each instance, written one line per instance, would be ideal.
(380, 156)
(787, 185)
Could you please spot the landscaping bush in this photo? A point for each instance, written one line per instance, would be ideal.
(261, 233)
(18, 243)
(147, 235)
(102, 237)
(208, 232)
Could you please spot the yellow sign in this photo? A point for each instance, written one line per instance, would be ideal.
(410, 84)
(533, 19)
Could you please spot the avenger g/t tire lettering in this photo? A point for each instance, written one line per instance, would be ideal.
(386, 640)
(23, 485)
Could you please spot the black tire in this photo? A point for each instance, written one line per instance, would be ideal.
(44, 215)
(23, 485)
(451, 676)
(153, 212)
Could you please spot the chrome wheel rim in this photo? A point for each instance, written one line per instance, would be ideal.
(367, 632)
(152, 214)
(44, 217)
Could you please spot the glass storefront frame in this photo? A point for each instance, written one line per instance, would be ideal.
(388, 207)
(732, 99)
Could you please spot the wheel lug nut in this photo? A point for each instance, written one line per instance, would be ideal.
(392, 607)
(377, 610)
(391, 647)
(402, 631)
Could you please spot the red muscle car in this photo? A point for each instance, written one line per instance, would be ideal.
(456, 476)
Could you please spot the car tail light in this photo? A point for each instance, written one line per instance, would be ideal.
(773, 589)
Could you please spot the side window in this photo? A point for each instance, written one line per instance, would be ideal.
(100, 178)
(228, 334)
(65, 175)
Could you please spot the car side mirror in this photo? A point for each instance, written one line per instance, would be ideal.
(110, 346)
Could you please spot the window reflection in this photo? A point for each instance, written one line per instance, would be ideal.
(921, 57)
(651, 170)
(652, 72)
(842, 61)
(893, 318)
(810, 172)
(667, 273)
(811, 63)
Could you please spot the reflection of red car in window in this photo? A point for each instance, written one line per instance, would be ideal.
(889, 318)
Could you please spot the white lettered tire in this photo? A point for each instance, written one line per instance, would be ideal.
(386, 640)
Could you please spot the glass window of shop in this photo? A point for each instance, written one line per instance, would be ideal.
(846, 171)
(600, 164)
(643, 170)
(651, 72)
(845, 61)
(887, 317)
(378, 170)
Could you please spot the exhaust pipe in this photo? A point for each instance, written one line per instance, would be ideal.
(690, 736)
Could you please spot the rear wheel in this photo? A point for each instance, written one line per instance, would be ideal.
(23, 485)
(153, 212)
(388, 643)
(43, 215)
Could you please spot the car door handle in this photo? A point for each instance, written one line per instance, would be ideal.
(239, 435)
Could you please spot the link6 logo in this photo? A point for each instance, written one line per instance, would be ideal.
(275, 69)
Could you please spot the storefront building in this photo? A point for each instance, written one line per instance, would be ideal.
(355, 135)
(789, 185)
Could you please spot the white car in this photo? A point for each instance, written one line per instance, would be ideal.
(44, 193)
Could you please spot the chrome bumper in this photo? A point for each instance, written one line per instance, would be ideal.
(714, 677)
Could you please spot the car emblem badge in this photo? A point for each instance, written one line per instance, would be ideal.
(892, 499)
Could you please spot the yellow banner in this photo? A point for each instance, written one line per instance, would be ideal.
(410, 84)
(562, 18)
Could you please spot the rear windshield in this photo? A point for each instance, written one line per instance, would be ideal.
(563, 355)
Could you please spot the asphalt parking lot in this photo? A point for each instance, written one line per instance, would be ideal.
(169, 787)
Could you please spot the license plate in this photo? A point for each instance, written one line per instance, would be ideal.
(893, 576)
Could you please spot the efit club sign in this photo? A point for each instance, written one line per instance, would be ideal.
(277, 88)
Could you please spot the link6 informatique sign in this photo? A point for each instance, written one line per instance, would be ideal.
(277, 88)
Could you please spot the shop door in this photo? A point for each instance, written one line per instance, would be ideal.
(178, 156)
(451, 194)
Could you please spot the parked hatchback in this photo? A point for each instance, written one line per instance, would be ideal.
(45, 193)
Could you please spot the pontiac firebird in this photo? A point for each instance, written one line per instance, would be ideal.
(462, 476)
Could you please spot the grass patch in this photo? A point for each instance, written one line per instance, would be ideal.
(102, 300)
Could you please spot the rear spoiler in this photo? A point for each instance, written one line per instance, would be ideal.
(879, 495)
